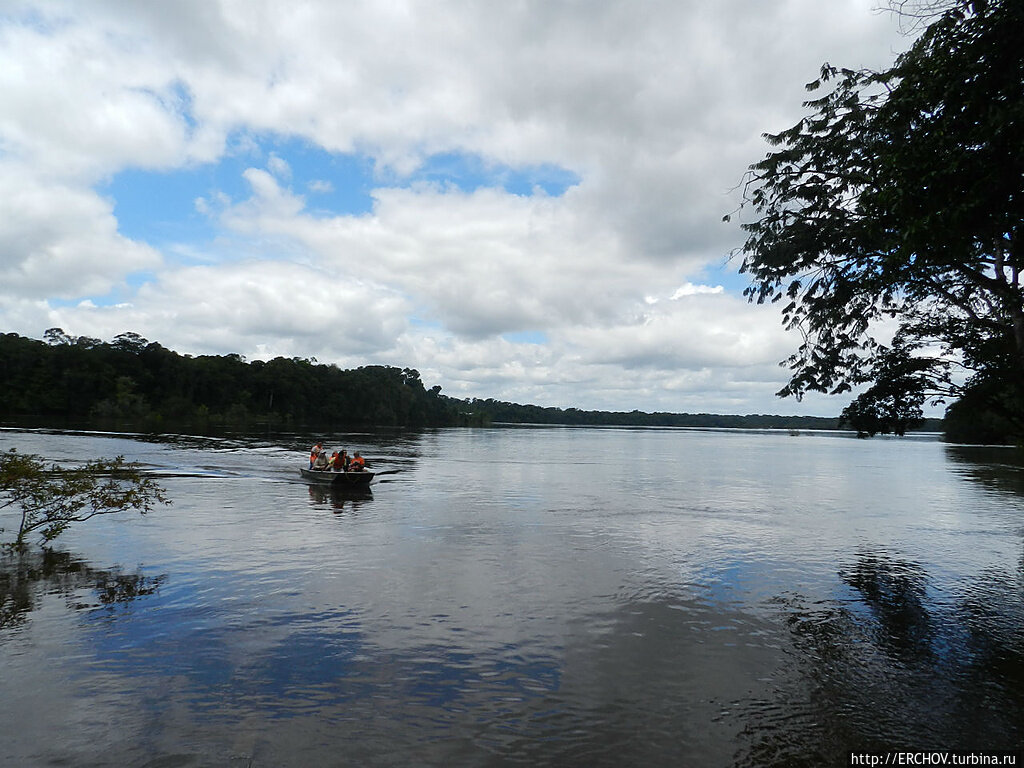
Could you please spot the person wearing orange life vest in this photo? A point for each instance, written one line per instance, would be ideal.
(358, 463)
(314, 452)
(341, 463)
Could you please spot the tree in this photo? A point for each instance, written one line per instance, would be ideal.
(56, 337)
(891, 223)
(50, 499)
(130, 342)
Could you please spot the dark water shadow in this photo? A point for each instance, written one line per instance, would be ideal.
(27, 576)
(997, 468)
(895, 666)
(340, 499)
(676, 678)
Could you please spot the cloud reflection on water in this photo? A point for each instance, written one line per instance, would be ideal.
(540, 617)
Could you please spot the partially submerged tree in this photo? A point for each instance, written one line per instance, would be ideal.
(891, 223)
(48, 499)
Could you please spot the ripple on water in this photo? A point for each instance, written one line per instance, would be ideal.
(736, 600)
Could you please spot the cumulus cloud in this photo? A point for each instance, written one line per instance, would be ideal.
(482, 263)
(61, 241)
(655, 110)
(207, 309)
(689, 289)
(704, 331)
(80, 102)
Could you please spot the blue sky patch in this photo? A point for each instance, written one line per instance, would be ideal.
(159, 207)
(526, 337)
(471, 172)
(725, 274)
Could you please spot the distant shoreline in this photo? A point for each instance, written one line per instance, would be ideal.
(132, 383)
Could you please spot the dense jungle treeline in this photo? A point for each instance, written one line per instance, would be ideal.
(132, 380)
(81, 380)
(513, 413)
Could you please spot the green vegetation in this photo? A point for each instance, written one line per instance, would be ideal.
(50, 499)
(891, 226)
(511, 413)
(136, 382)
(139, 384)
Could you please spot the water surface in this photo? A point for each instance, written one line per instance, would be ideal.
(524, 596)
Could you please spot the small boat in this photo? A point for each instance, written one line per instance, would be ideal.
(339, 479)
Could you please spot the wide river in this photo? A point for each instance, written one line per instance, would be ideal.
(523, 596)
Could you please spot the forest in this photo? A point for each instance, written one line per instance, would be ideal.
(134, 381)
(131, 381)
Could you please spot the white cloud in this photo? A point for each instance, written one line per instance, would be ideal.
(81, 101)
(656, 108)
(209, 309)
(61, 241)
(279, 167)
(689, 289)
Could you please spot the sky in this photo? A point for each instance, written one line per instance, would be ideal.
(523, 200)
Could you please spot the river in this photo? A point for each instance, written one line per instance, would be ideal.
(535, 596)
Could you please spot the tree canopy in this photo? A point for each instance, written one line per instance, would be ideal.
(49, 499)
(889, 223)
(139, 384)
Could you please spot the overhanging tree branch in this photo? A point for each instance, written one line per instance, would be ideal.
(902, 196)
(52, 498)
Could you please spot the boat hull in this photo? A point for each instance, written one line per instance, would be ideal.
(338, 479)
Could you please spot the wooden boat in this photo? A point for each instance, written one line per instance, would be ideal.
(339, 479)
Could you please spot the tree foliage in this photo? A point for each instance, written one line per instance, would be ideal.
(513, 413)
(48, 499)
(141, 383)
(889, 226)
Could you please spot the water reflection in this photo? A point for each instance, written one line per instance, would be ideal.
(996, 467)
(340, 498)
(893, 592)
(895, 665)
(733, 600)
(26, 576)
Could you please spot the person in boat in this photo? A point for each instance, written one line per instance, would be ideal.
(320, 463)
(358, 463)
(341, 463)
(314, 452)
(331, 461)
